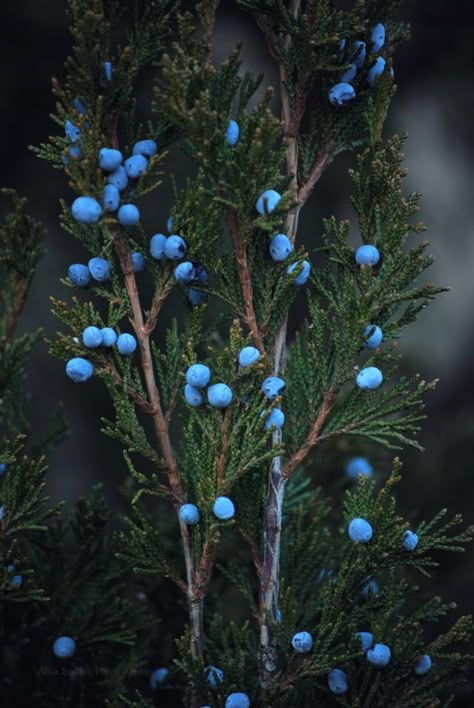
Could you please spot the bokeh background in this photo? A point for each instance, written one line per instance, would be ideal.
(434, 105)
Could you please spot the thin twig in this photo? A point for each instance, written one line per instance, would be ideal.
(162, 433)
(132, 392)
(312, 438)
(240, 251)
(156, 304)
(317, 170)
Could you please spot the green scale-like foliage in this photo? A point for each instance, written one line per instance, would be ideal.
(56, 577)
(346, 298)
(175, 453)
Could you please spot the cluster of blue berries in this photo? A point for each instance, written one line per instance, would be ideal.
(370, 377)
(93, 337)
(377, 654)
(87, 210)
(3, 468)
(360, 531)
(280, 245)
(190, 273)
(79, 369)
(271, 387)
(98, 269)
(219, 395)
(223, 509)
(174, 248)
(343, 93)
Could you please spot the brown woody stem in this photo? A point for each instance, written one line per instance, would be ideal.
(278, 476)
(240, 252)
(142, 331)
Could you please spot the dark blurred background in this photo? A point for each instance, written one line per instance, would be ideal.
(434, 104)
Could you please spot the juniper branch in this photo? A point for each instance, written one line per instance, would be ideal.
(162, 433)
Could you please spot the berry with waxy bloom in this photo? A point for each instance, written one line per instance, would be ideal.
(109, 159)
(248, 356)
(410, 540)
(423, 665)
(79, 275)
(193, 396)
(119, 178)
(366, 640)
(267, 201)
(185, 273)
(275, 419)
(157, 246)
(189, 514)
(138, 261)
(237, 700)
(109, 337)
(99, 269)
(219, 395)
(375, 71)
(72, 131)
(92, 337)
(302, 642)
(304, 267)
(126, 344)
(147, 148)
(341, 94)
(378, 38)
(223, 508)
(374, 336)
(360, 530)
(79, 369)
(135, 166)
(280, 247)
(357, 466)
(86, 210)
(337, 682)
(272, 387)
(128, 215)
(175, 247)
(64, 647)
(369, 378)
(379, 655)
(111, 197)
(367, 255)
(198, 375)
(232, 133)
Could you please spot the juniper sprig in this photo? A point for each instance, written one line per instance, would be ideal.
(220, 415)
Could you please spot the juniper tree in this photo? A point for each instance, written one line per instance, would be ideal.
(223, 417)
